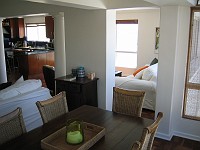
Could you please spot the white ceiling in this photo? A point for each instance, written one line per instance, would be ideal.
(114, 4)
(85, 4)
(173, 2)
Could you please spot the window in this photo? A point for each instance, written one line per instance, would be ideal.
(127, 38)
(191, 108)
(36, 32)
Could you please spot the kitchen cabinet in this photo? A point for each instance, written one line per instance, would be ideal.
(79, 92)
(49, 21)
(35, 62)
(30, 65)
(50, 59)
(17, 28)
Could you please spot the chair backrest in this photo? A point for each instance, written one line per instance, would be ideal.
(148, 135)
(11, 125)
(52, 108)
(128, 102)
(49, 76)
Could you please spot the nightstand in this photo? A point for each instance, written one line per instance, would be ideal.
(79, 92)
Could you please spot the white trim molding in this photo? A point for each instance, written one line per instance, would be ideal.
(186, 135)
(167, 137)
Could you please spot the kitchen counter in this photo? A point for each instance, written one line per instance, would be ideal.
(31, 62)
(29, 51)
(32, 51)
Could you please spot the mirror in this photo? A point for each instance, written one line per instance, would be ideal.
(191, 108)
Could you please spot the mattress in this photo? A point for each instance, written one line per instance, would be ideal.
(130, 83)
(27, 102)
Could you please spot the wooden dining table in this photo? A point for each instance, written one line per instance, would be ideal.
(121, 130)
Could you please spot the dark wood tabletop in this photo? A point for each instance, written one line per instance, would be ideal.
(121, 130)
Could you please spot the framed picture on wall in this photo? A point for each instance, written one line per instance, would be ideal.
(157, 36)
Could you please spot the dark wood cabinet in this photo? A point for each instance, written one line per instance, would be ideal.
(17, 28)
(49, 21)
(78, 92)
(21, 27)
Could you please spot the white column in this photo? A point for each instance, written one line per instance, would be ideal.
(3, 75)
(59, 45)
(165, 83)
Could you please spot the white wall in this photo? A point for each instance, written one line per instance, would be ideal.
(148, 20)
(171, 74)
(182, 127)
(168, 37)
(110, 56)
(3, 73)
(86, 45)
(34, 19)
(85, 33)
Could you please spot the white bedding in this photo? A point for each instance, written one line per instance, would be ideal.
(130, 83)
(27, 102)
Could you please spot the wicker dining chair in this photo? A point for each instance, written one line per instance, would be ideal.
(147, 138)
(52, 108)
(128, 102)
(11, 125)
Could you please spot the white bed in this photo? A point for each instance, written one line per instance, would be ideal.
(27, 102)
(145, 80)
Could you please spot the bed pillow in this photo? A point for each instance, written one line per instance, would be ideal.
(8, 93)
(154, 78)
(140, 69)
(28, 85)
(139, 74)
(20, 88)
(150, 72)
(21, 79)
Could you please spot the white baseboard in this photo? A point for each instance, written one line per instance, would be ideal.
(187, 136)
(168, 137)
(164, 136)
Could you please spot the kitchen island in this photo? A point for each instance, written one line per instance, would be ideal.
(31, 62)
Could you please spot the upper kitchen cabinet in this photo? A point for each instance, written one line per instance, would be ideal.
(17, 28)
(49, 21)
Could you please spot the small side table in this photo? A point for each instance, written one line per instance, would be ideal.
(118, 73)
(78, 92)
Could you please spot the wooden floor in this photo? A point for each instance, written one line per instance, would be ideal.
(176, 143)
